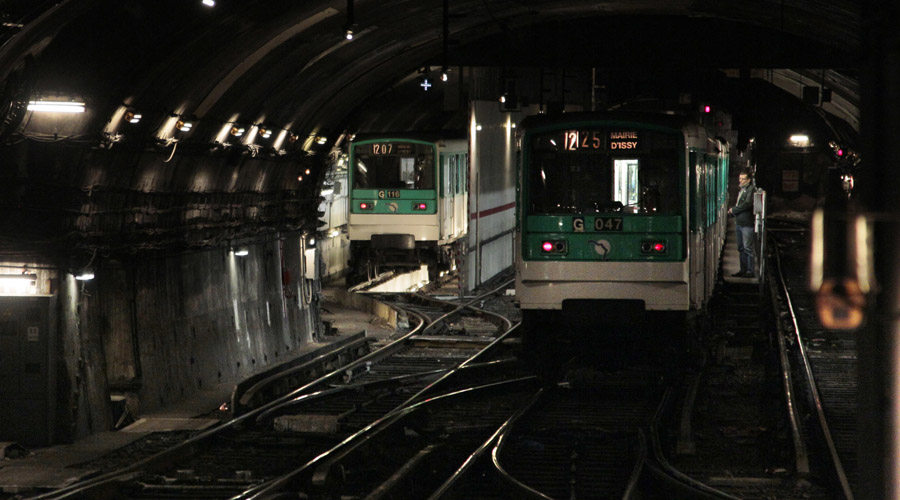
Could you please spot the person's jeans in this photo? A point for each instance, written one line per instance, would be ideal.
(746, 244)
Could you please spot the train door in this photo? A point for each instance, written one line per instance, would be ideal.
(712, 234)
(695, 244)
(462, 197)
(446, 195)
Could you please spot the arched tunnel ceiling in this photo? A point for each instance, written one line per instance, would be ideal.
(287, 62)
(286, 65)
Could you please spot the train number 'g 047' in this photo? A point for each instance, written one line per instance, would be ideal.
(608, 224)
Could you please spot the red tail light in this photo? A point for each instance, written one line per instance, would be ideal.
(653, 247)
(419, 206)
(366, 206)
(554, 246)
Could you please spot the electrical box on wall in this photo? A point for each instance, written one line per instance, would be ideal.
(27, 376)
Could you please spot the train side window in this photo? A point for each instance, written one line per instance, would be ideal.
(463, 171)
(451, 175)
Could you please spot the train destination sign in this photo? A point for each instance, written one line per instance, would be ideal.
(624, 139)
(597, 140)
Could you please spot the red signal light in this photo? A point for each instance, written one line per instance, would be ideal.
(659, 247)
(547, 246)
(706, 109)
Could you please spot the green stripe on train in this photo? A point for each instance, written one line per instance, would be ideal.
(610, 247)
(607, 223)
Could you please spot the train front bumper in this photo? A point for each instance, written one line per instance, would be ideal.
(662, 286)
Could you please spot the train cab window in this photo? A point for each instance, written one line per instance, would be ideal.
(588, 174)
(408, 172)
(625, 183)
(396, 165)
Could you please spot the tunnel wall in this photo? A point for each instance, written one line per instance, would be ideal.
(160, 330)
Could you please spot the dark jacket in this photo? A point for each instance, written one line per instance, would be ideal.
(743, 209)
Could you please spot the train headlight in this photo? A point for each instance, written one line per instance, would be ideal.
(554, 246)
(653, 247)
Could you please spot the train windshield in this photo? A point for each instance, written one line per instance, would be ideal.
(394, 165)
(604, 170)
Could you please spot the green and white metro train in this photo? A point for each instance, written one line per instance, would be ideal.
(408, 202)
(618, 215)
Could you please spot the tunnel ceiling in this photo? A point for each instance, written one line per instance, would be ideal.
(286, 65)
(287, 62)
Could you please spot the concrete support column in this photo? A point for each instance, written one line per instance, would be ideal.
(879, 342)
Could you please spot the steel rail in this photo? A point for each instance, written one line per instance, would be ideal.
(663, 466)
(631, 486)
(801, 455)
(495, 437)
(166, 456)
(814, 392)
(358, 438)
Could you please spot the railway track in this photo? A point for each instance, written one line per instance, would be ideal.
(268, 440)
(451, 413)
(827, 361)
(772, 384)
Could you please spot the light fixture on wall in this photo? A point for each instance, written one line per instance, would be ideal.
(183, 125)
(18, 284)
(85, 274)
(132, 116)
(348, 28)
(48, 106)
(242, 252)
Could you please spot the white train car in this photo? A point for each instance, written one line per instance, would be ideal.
(408, 202)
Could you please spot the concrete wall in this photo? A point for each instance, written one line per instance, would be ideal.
(159, 330)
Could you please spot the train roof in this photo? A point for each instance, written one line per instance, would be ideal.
(673, 120)
(429, 136)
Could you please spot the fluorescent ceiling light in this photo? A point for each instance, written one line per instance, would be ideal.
(56, 106)
(243, 252)
(85, 276)
(209, 3)
(799, 140)
(18, 284)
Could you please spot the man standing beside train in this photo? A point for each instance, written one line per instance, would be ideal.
(744, 220)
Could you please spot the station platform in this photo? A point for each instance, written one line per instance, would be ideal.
(25, 472)
(730, 259)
